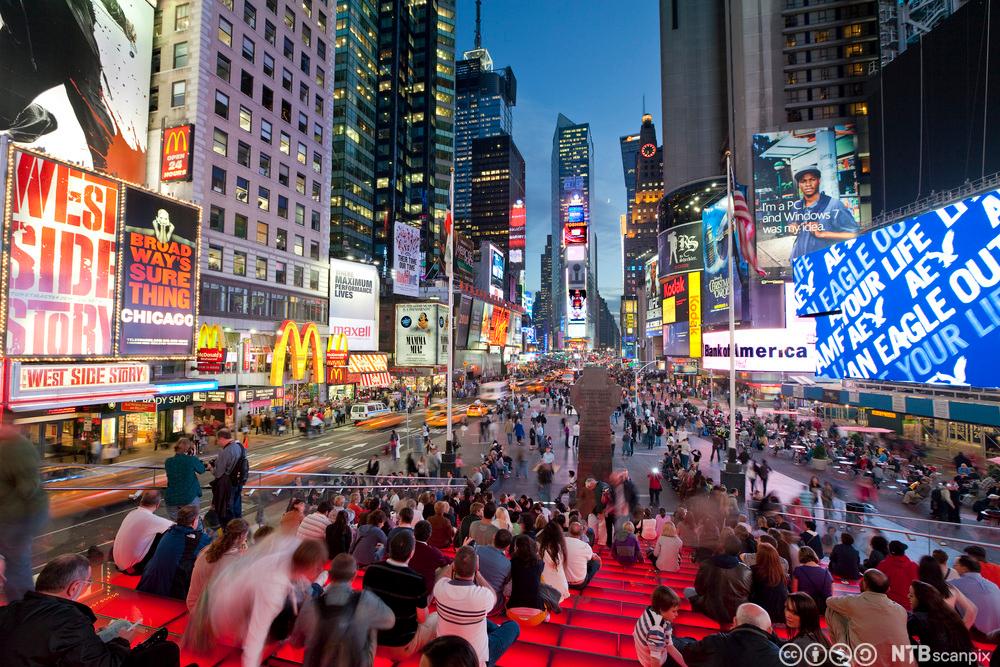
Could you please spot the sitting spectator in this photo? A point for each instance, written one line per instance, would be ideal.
(313, 526)
(869, 617)
(750, 558)
(626, 547)
(722, 584)
(338, 627)
(647, 526)
(802, 619)
(810, 538)
(653, 633)
(878, 548)
(427, 559)
(901, 571)
(812, 578)
(404, 590)
(936, 625)
(526, 588)
(581, 562)
(494, 566)
(370, 541)
(552, 545)
(338, 535)
(768, 587)
(746, 537)
(942, 559)
(169, 570)
(442, 530)
(982, 593)
(476, 511)
(225, 548)
(464, 601)
(482, 531)
(450, 651)
(990, 571)
(666, 555)
(293, 516)
(929, 572)
(405, 517)
(49, 626)
(139, 534)
(845, 561)
(750, 642)
(918, 491)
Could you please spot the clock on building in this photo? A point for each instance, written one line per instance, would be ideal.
(648, 150)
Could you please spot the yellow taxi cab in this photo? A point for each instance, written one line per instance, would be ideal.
(378, 422)
(437, 415)
(477, 409)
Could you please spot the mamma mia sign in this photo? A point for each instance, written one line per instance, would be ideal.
(917, 301)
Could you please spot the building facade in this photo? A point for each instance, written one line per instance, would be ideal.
(543, 299)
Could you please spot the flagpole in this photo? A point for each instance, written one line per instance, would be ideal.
(449, 263)
(732, 305)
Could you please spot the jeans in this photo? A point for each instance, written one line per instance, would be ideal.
(654, 497)
(237, 506)
(15, 546)
(593, 565)
(501, 638)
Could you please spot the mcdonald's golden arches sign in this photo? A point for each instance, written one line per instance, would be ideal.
(211, 349)
(175, 157)
(294, 344)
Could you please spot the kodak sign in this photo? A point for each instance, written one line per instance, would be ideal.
(175, 160)
(211, 348)
(293, 344)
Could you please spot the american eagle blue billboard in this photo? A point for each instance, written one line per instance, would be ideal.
(916, 301)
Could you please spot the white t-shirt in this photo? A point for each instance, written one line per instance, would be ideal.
(462, 608)
(578, 553)
(135, 536)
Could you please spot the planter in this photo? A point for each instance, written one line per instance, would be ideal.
(819, 464)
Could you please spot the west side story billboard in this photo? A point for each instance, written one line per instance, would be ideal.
(917, 301)
(74, 80)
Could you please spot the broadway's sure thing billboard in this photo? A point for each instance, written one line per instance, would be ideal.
(715, 255)
(159, 275)
(406, 260)
(74, 80)
(354, 290)
(417, 333)
(805, 193)
(917, 301)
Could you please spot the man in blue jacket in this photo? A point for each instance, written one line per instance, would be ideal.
(169, 571)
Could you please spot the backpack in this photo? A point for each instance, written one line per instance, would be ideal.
(240, 473)
(337, 643)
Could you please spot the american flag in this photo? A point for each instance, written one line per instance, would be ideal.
(449, 246)
(745, 227)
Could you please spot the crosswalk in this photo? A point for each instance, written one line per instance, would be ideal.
(350, 463)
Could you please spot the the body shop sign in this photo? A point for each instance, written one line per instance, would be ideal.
(31, 381)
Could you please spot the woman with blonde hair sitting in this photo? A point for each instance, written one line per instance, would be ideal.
(502, 521)
(666, 555)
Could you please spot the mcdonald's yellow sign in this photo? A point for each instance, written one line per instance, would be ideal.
(211, 348)
(300, 341)
(175, 159)
(336, 358)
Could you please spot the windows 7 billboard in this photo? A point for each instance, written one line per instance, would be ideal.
(917, 301)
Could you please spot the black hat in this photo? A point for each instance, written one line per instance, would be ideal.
(811, 169)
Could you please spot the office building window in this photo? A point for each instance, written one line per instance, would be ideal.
(313, 279)
(250, 15)
(154, 66)
(242, 189)
(317, 133)
(237, 298)
(317, 162)
(239, 263)
(285, 143)
(265, 130)
(221, 104)
(225, 32)
(283, 174)
(154, 98)
(262, 233)
(303, 122)
(290, 18)
(269, 65)
(258, 303)
(281, 239)
(300, 183)
(249, 49)
(283, 207)
(315, 191)
(299, 245)
(320, 77)
(246, 83)
(300, 215)
(263, 198)
(223, 67)
(220, 142)
(180, 54)
(298, 274)
(305, 64)
(267, 98)
(217, 218)
(178, 93)
(218, 180)
(315, 220)
(303, 93)
(314, 249)
(182, 17)
(286, 79)
(243, 154)
(264, 165)
(261, 268)
(214, 257)
(301, 153)
(240, 224)
(280, 273)
(246, 119)
(269, 32)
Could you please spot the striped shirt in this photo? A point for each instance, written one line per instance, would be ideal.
(462, 607)
(652, 635)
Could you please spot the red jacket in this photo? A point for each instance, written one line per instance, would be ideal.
(901, 572)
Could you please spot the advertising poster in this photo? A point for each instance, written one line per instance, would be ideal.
(654, 304)
(695, 311)
(177, 149)
(497, 273)
(476, 325)
(416, 334)
(499, 326)
(515, 239)
(676, 340)
(675, 298)
(354, 294)
(916, 301)
(464, 315)
(74, 80)
(464, 258)
(681, 249)
(805, 193)
(159, 277)
(62, 245)
(484, 327)
(715, 256)
(444, 326)
(406, 260)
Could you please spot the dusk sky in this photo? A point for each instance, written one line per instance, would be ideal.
(592, 61)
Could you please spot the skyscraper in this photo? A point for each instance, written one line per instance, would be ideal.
(630, 152)
(352, 194)
(572, 166)
(414, 132)
(543, 299)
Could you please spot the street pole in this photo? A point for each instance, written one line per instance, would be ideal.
(449, 252)
(732, 306)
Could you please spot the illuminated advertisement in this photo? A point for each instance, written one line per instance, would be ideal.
(38, 382)
(576, 274)
(574, 214)
(574, 234)
(444, 327)
(675, 298)
(416, 334)
(406, 260)
(476, 324)
(464, 318)
(74, 81)
(805, 193)
(654, 305)
(62, 242)
(682, 250)
(682, 315)
(159, 275)
(518, 220)
(210, 349)
(715, 255)
(300, 346)
(912, 302)
(576, 306)
(354, 294)
(499, 326)
(177, 149)
(497, 272)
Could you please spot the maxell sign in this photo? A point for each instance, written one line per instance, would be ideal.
(354, 292)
